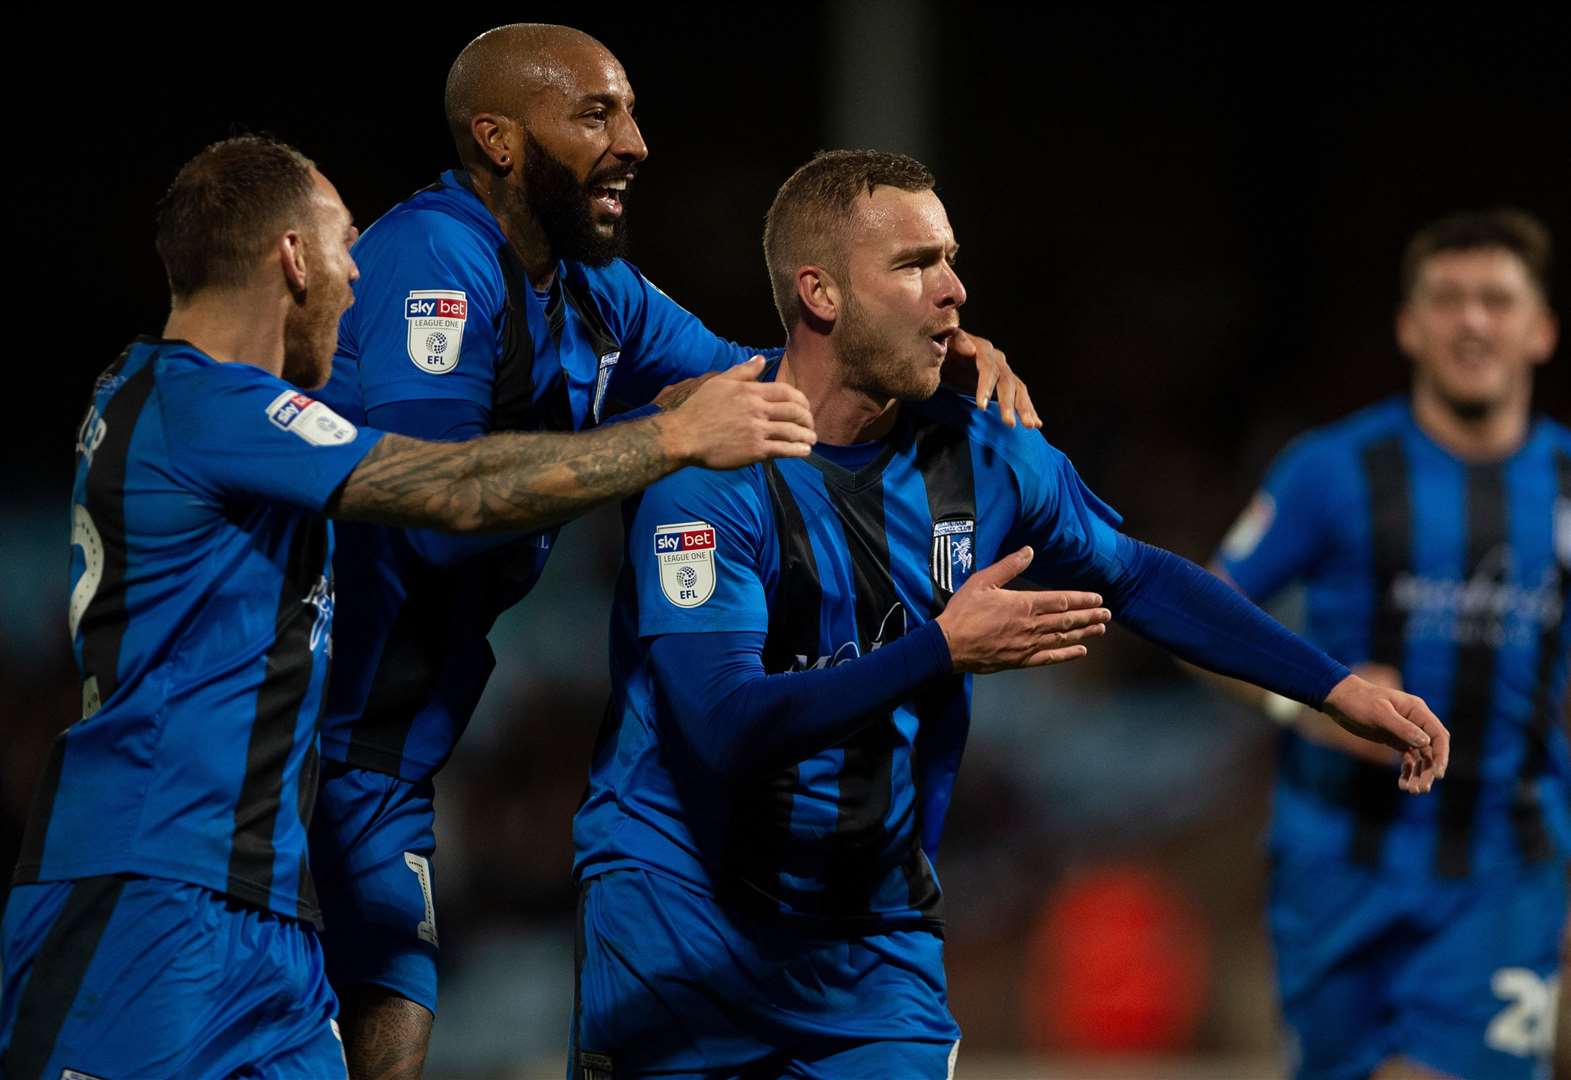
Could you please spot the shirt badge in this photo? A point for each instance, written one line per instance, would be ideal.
(686, 553)
(954, 552)
(436, 319)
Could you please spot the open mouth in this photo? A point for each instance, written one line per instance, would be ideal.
(607, 197)
(942, 338)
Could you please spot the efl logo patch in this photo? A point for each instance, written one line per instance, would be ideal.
(603, 380)
(686, 552)
(310, 419)
(1250, 528)
(436, 320)
(954, 552)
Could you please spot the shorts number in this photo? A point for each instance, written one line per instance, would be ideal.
(422, 871)
(1524, 1027)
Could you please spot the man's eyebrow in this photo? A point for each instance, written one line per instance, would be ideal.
(608, 100)
(925, 251)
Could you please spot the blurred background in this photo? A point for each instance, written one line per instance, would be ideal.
(1182, 226)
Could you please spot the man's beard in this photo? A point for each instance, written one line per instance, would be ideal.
(311, 335)
(555, 198)
(872, 365)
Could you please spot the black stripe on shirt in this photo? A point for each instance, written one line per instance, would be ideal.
(278, 701)
(1473, 681)
(103, 624)
(307, 907)
(411, 664)
(57, 973)
(943, 457)
(761, 816)
(513, 392)
(856, 862)
(1373, 789)
(1527, 812)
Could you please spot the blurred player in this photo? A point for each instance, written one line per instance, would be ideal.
(1434, 536)
(790, 660)
(494, 300)
(161, 919)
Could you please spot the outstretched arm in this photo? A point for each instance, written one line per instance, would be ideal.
(531, 481)
(1207, 622)
(738, 719)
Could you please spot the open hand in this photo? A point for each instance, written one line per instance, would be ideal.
(1397, 719)
(732, 420)
(990, 628)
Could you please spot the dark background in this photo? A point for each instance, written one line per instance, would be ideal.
(1182, 226)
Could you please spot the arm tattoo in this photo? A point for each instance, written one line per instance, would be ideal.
(511, 481)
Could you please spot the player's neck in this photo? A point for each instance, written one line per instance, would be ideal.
(232, 327)
(1493, 434)
(524, 234)
(842, 415)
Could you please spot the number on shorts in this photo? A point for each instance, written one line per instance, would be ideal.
(422, 871)
(1524, 1027)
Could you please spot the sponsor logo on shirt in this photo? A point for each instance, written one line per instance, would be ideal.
(893, 625)
(310, 419)
(954, 552)
(1489, 608)
(686, 554)
(436, 319)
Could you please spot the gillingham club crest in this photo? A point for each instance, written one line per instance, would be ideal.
(954, 552)
(436, 320)
(686, 553)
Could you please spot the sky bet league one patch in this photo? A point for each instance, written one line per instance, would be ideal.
(686, 553)
(436, 320)
(310, 419)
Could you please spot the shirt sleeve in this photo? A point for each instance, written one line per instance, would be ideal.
(1281, 534)
(428, 309)
(1075, 533)
(694, 547)
(739, 719)
(662, 342)
(235, 430)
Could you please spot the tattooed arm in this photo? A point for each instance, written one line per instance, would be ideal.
(524, 482)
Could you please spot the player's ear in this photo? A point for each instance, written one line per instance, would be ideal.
(1407, 332)
(1546, 334)
(495, 136)
(291, 257)
(818, 293)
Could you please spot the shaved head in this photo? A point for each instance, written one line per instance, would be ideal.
(504, 70)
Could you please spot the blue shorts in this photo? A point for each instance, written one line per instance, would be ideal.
(670, 984)
(140, 977)
(1455, 975)
(372, 836)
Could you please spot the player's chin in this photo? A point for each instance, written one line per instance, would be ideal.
(925, 385)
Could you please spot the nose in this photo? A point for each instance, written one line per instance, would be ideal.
(1475, 314)
(951, 290)
(629, 142)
